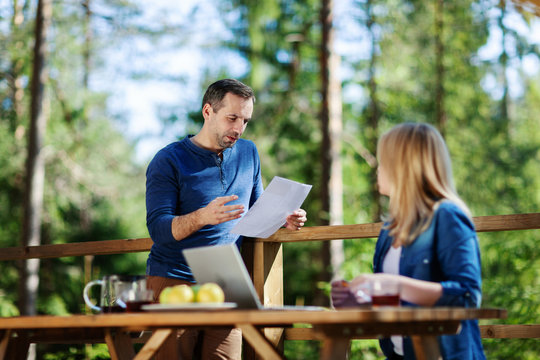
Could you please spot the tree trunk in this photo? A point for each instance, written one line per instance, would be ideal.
(374, 113)
(87, 59)
(440, 113)
(337, 255)
(504, 115)
(35, 169)
(255, 17)
(87, 42)
(16, 80)
(331, 127)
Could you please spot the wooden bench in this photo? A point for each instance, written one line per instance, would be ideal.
(264, 259)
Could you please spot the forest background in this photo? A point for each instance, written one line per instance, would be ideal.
(330, 77)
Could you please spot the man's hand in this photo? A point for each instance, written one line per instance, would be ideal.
(296, 220)
(216, 212)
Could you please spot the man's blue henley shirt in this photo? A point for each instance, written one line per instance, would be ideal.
(182, 178)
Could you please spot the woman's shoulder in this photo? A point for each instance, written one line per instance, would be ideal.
(448, 207)
(452, 217)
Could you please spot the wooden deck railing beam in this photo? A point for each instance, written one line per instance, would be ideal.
(103, 247)
(313, 233)
(359, 231)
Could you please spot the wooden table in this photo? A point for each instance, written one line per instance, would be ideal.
(333, 328)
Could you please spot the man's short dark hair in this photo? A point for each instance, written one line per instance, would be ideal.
(216, 92)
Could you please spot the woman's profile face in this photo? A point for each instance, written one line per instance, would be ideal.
(382, 181)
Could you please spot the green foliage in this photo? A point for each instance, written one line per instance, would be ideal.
(301, 350)
(303, 284)
(511, 273)
(66, 352)
(365, 349)
(94, 189)
(358, 257)
(7, 308)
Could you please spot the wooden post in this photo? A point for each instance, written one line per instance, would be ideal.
(264, 261)
(14, 347)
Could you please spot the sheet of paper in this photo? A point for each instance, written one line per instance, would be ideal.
(280, 198)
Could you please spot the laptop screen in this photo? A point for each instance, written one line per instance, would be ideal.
(223, 265)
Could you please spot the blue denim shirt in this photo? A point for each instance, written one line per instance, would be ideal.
(448, 253)
(182, 178)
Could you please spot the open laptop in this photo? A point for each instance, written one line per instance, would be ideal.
(223, 264)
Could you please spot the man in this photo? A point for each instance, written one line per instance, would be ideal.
(196, 189)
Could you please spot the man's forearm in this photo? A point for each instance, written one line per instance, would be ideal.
(184, 225)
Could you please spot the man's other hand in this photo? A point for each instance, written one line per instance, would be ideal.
(296, 220)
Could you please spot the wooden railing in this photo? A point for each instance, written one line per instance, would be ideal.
(264, 259)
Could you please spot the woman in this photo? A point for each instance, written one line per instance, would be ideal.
(428, 243)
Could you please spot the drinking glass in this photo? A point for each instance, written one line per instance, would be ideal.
(385, 292)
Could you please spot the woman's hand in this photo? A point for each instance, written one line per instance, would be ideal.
(341, 294)
(368, 279)
(419, 292)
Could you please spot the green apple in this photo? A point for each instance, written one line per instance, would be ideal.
(210, 293)
(178, 294)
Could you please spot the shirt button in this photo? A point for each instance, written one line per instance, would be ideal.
(426, 261)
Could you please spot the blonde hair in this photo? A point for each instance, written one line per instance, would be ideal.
(419, 170)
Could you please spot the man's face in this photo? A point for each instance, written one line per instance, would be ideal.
(228, 124)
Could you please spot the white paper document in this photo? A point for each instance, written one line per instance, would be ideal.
(280, 199)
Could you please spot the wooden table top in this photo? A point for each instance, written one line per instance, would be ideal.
(268, 318)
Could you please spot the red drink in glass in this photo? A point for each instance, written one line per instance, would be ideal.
(135, 306)
(385, 300)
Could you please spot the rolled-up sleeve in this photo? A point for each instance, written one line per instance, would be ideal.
(458, 255)
(161, 198)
